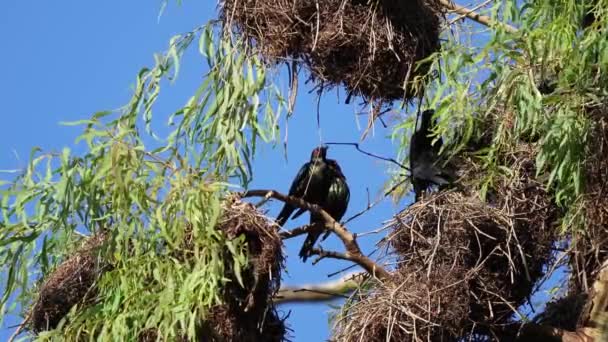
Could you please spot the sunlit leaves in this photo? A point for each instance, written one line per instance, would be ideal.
(232, 108)
(149, 199)
(496, 76)
(563, 152)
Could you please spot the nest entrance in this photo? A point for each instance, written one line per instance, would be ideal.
(369, 46)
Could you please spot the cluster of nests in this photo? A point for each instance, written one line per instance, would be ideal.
(247, 312)
(463, 264)
(371, 47)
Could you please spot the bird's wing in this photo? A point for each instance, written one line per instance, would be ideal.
(298, 185)
(339, 197)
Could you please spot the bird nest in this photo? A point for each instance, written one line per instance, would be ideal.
(406, 306)
(247, 313)
(589, 245)
(369, 46)
(71, 283)
(464, 264)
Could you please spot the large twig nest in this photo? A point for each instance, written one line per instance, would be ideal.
(248, 313)
(590, 244)
(70, 284)
(409, 304)
(370, 47)
(464, 264)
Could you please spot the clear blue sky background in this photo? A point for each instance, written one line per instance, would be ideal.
(64, 60)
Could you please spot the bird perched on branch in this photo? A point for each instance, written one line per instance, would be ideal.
(335, 204)
(425, 163)
(311, 183)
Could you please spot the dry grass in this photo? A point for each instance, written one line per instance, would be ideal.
(70, 284)
(369, 47)
(410, 304)
(464, 265)
(589, 246)
(248, 313)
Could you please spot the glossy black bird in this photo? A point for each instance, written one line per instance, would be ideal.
(311, 183)
(335, 204)
(425, 162)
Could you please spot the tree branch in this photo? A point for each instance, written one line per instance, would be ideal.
(298, 231)
(320, 292)
(20, 327)
(482, 19)
(353, 252)
(356, 145)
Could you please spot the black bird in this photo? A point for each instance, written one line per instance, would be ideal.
(335, 204)
(425, 162)
(311, 183)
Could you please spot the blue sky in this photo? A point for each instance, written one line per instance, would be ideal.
(65, 60)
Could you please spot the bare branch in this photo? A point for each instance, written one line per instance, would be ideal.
(482, 19)
(20, 327)
(320, 292)
(356, 145)
(298, 231)
(353, 252)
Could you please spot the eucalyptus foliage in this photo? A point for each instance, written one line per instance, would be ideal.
(142, 188)
(146, 192)
(489, 71)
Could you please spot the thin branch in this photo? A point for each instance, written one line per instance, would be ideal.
(298, 231)
(482, 19)
(350, 266)
(373, 204)
(320, 292)
(371, 154)
(353, 252)
(322, 254)
(20, 327)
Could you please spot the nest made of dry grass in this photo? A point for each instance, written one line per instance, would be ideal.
(385, 313)
(70, 284)
(464, 264)
(589, 245)
(248, 313)
(370, 47)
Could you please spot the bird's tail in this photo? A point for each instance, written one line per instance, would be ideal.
(284, 214)
(309, 243)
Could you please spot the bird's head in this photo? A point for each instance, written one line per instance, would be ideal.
(319, 153)
(426, 118)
